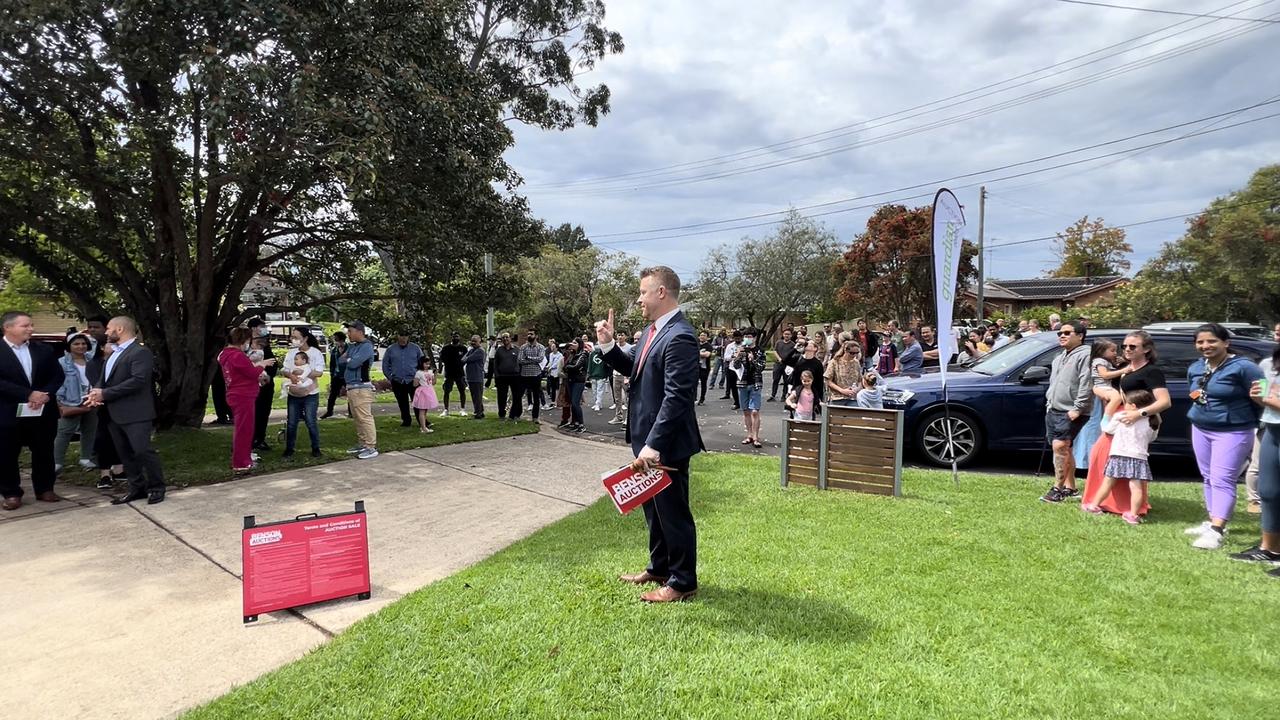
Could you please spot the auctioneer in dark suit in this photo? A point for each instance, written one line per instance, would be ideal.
(126, 380)
(663, 368)
(35, 433)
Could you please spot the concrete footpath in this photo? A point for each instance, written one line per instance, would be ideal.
(135, 611)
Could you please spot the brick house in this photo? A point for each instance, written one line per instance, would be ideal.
(1012, 297)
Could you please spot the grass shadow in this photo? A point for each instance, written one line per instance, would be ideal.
(795, 617)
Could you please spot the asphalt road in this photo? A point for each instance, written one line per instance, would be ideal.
(722, 431)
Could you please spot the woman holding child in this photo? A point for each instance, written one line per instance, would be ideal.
(302, 370)
(1140, 373)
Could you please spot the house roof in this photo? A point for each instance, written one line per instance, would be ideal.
(1048, 288)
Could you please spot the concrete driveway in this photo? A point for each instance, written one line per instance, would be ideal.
(135, 611)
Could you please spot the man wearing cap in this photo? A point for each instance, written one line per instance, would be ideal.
(400, 364)
(360, 391)
(454, 373)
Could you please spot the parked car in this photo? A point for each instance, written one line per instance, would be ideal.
(1247, 330)
(997, 403)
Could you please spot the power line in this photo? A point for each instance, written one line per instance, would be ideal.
(935, 183)
(1166, 218)
(781, 144)
(1166, 12)
(613, 184)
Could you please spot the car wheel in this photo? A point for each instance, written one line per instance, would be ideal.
(965, 441)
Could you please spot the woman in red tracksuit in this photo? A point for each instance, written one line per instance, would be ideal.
(241, 375)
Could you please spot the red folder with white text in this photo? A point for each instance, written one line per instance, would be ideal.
(629, 489)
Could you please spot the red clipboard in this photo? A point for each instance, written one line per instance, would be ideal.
(630, 489)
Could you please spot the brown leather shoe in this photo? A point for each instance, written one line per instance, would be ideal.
(643, 578)
(667, 594)
(11, 503)
(48, 496)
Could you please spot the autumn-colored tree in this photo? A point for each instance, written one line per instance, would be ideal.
(888, 270)
(1089, 248)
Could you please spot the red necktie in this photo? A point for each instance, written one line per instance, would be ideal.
(648, 342)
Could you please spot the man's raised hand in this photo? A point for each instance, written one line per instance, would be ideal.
(604, 330)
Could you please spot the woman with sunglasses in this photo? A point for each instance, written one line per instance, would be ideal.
(1140, 373)
(1224, 419)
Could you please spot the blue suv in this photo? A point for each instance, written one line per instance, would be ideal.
(997, 403)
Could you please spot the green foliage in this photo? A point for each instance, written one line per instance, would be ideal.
(22, 289)
(530, 55)
(764, 279)
(569, 291)
(810, 608)
(1225, 267)
(1090, 248)
(888, 270)
(172, 152)
(569, 238)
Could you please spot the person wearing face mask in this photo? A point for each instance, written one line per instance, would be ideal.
(240, 374)
(304, 408)
(748, 364)
(474, 364)
(267, 390)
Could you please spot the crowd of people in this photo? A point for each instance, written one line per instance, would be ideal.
(100, 388)
(1103, 410)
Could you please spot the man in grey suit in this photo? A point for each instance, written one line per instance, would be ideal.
(124, 390)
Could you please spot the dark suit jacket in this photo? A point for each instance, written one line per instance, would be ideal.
(15, 388)
(127, 393)
(660, 409)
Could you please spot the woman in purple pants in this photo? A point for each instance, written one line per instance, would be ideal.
(1224, 420)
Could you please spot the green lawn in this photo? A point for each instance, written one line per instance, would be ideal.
(974, 601)
(202, 457)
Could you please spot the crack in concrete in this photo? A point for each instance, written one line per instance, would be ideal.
(327, 633)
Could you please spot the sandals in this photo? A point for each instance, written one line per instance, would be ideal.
(748, 441)
(757, 443)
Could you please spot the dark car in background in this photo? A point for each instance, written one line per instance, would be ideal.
(997, 403)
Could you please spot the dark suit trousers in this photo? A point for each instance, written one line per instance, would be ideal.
(336, 383)
(36, 434)
(673, 539)
(403, 393)
(262, 411)
(141, 463)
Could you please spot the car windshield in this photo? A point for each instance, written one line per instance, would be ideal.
(1007, 357)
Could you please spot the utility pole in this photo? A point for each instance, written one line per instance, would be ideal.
(982, 277)
(488, 316)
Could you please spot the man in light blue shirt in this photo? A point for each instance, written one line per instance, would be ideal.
(399, 364)
(911, 360)
(360, 391)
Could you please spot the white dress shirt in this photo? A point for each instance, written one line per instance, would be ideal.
(23, 352)
(657, 328)
(111, 361)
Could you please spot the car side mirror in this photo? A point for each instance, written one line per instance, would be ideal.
(1034, 375)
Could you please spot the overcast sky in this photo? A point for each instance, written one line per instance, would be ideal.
(702, 80)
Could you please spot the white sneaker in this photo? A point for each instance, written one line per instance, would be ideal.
(596, 408)
(616, 421)
(88, 465)
(1210, 540)
(444, 413)
(462, 413)
(367, 454)
(613, 406)
(1200, 529)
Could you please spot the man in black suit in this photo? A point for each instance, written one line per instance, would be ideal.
(30, 377)
(662, 428)
(125, 392)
